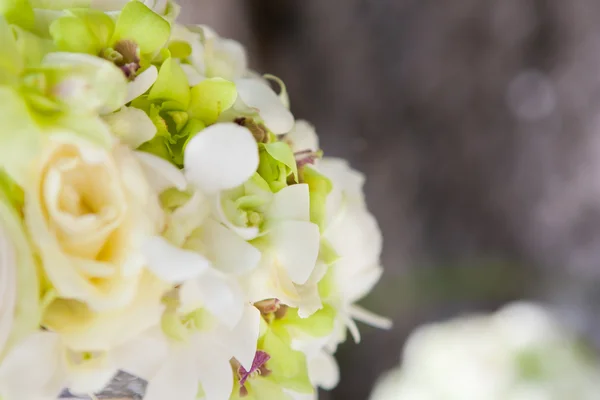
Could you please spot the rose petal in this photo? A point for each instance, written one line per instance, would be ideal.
(221, 157)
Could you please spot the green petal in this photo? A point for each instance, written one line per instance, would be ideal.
(11, 63)
(288, 367)
(72, 34)
(180, 49)
(319, 187)
(319, 324)
(283, 153)
(11, 191)
(19, 136)
(143, 26)
(99, 24)
(32, 47)
(210, 98)
(327, 253)
(60, 4)
(171, 84)
(18, 12)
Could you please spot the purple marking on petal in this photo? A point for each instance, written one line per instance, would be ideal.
(260, 359)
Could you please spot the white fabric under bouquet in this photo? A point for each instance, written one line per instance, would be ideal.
(520, 353)
(162, 213)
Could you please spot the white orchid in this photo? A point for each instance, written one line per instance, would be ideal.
(41, 365)
(193, 350)
(520, 353)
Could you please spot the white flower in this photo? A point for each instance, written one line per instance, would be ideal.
(40, 366)
(519, 353)
(88, 212)
(211, 56)
(354, 234)
(198, 353)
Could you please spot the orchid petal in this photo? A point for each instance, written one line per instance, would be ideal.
(177, 378)
(243, 338)
(324, 371)
(143, 355)
(131, 125)
(246, 233)
(141, 84)
(138, 23)
(32, 368)
(161, 174)
(170, 263)
(213, 370)
(222, 297)
(171, 84)
(297, 246)
(291, 203)
(369, 318)
(261, 97)
(303, 137)
(229, 252)
(221, 157)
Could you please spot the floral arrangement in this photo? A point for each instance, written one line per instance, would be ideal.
(522, 352)
(162, 213)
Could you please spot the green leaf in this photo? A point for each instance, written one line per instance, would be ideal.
(210, 98)
(19, 136)
(171, 84)
(11, 63)
(143, 26)
(72, 34)
(319, 187)
(283, 153)
(17, 12)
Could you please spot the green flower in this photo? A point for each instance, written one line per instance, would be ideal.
(180, 112)
(277, 368)
(131, 42)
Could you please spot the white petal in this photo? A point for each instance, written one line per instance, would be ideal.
(243, 338)
(222, 156)
(352, 328)
(32, 369)
(297, 246)
(141, 84)
(131, 125)
(91, 376)
(8, 286)
(259, 96)
(176, 379)
(170, 263)
(222, 297)
(229, 252)
(214, 371)
(193, 76)
(292, 202)
(369, 318)
(323, 371)
(143, 355)
(303, 137)
(161, 174)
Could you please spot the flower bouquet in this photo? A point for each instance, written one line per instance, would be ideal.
(163, 214)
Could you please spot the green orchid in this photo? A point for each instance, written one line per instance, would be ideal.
(131, 42)
(277, 368)
(180, 112)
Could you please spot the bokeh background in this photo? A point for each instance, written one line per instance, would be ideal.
(477, 124)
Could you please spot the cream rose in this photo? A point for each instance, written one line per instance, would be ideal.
(88, 212)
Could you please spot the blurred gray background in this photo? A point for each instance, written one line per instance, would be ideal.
(477, 125)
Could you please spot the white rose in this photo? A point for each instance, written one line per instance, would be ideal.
(88, 212)
(19, 291)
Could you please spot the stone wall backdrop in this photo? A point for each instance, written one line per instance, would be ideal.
(477, 124)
